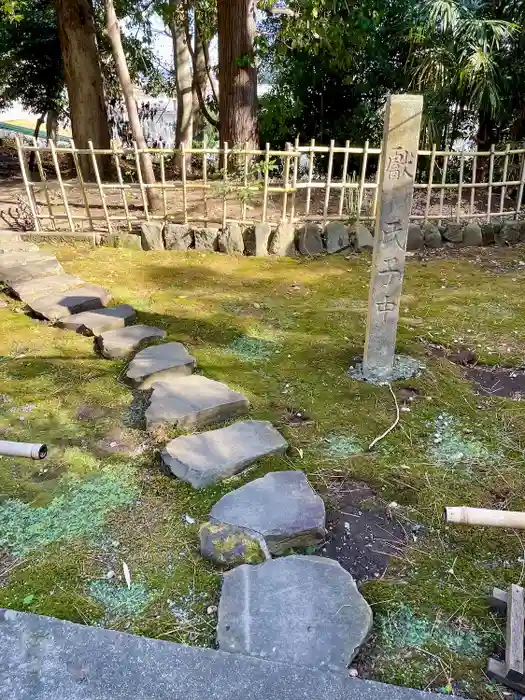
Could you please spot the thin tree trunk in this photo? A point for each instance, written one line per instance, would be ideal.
(200, 80)
(237, 73)
(113, 34)
(89, 119)
(51, 125)
(179, 27)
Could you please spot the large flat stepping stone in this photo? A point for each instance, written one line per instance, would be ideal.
(41, 286)
(297, 610)
(73, 301)
(281, 506)
(123, 342)
(204, 459)
(32, 266)
(98, 321)
(158, 363)
(42, 658)
(193, 402)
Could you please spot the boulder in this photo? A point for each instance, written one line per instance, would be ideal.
(204, 459)
(432, 236)
(256, 239)
(337, 237)
(206, 238)
(151, 235)
(310, 240)
(178, 237)
(509, 234)
(229, 546)
(488, 232)
(124, 240)
(71, 302)
(230, 240)
(159, 362)
(282, 241)
(454, 233)
(100, 320)
(123, 342)
(297, 610)
(472, 235)
(281, 506)
(361, 237)
(414, 237)
(193, 402)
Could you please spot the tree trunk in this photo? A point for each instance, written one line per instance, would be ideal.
(89, 119)
(200, 81)
(113, 34)
(51, 125)
(179, 27)
(237, 73)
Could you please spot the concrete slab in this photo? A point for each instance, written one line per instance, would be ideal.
(159, 362)
(70, 302)
(123, 342)
(99, 320)
(299, 610)
(46, 659)
(204, 459)
(53, 284)
(193, 402)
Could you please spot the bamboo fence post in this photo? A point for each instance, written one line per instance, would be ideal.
(183, 175)
(376, 189)
(343, 178)
(294, 179)
(442, 192)
(205, 186)
(430, 181)
(43, 180)
(266, 181)
(141, 181)
(473, 190)
(225, 184)
(328, 181)
(504, 180)
(29, 190)
(460, 186)
(491, 176)
(100, 188)
(244, 204)
(522, 184)
(83, 188)
(310, 175)
(163, 185)
(61, 185)
(286, 178)
(121, 183)
(362, 179)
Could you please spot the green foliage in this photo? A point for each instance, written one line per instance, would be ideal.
(253, 349)
(118, 600)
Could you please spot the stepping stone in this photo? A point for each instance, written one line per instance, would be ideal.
(158, 363)
(281, 506)
(43, 658)
(100, 320)
(204, 459)
(296, 610)
(123, 342)
(22, 269)
(56, 306)
(11, 246)
(193, 402)
(41, 286)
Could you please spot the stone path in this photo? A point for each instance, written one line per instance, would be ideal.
(301, 610)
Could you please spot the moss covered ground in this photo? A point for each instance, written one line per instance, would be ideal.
(283, 332)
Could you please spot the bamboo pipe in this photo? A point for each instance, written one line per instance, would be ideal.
(485, 516)
(23, 449)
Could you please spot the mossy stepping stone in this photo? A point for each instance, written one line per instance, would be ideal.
(159, 362)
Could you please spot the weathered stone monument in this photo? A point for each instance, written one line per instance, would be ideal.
(396, 186)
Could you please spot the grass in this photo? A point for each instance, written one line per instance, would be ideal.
(283, 332)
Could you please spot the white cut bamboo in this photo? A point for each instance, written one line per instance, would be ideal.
(430, 181)
(491, 175)
(310, 176)
(183, 175)
(286, 183)
(376, 183)
(473, 183)
(504, 180)
(120, 179)
(27, 185)
(205, 186)
(521, 186)
(244, 204)
(43, 180)
(141, 181)
(61, 185)
(460, 187)
(343, 178)
(328, 180)
(484, 516)
(100, 188)
(163, 183)
(225, 185)
(82, 184)
(294, 179)
(362, 179)
(443, 182)
(266, 181)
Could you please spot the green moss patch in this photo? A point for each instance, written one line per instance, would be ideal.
(455, 447)
(119, 600)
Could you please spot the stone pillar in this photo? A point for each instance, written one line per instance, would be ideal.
(396, 186)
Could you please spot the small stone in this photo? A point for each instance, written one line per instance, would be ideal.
(178, 237)
(282, 241)
(296, 610)
(353, 672)
(337, 237)
(100, 320)
(55, 307)
(472, 235)
(310, 240)
(454, 233)
(211, 609)
(361, 237)
(230, 240)
(193, 402)
(53, 284)
(204, 459)
(228, 545)
(281, 506)
(123, 342)
(414, 237)
(3, 304)
(206, 239)
(159, 362)
(151, 235)
(432, 236)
